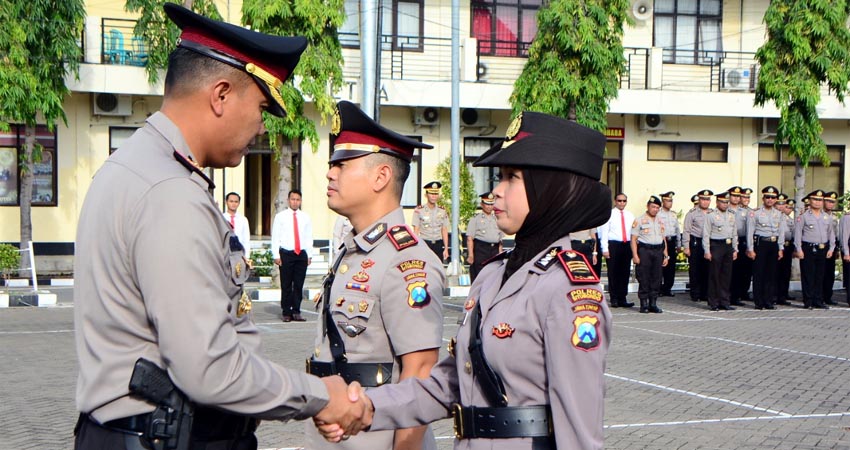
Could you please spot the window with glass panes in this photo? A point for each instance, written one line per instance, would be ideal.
(776, 168)
(12, 144)
(688, 30)
(401, 24)
(504, 27)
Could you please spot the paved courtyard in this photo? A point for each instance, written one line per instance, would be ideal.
(684, 379)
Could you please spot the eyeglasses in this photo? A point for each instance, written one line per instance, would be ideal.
(621, 201)
(769, 197)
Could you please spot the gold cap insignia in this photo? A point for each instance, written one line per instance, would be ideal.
(336, 122)
(514, 127)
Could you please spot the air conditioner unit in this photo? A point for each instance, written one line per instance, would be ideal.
(426, 116)
(474, 117)
(105, 104)
(766, 126)
(642, 10)
(737, 79)
(651, 122)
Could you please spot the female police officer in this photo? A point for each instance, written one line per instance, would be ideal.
(537, 311)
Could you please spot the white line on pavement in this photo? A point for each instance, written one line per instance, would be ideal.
(698, 395)
(729, 317)
(729, 419)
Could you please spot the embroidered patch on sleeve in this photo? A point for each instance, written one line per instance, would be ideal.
(586, 333)
(577, 295)
(418, 296)
(577, 268)
(417, 264)
(586, 307)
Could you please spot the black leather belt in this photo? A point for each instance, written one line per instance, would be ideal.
(480, 242)
(764, 238)
(722, 241)
(816, 245)
(472, 422)
(367, 374)
(651, 246)
(207, 425)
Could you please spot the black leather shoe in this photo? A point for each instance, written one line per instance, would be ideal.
(737, 303)
(788, 297)
(644, 310)
(830, 302)
(781, 302)
(298, 318)
(769, 307)
(759, 308)
(713, 308)
(726, 308)
(626, 304)
(286, 318)
(820, 307)
(614, 305)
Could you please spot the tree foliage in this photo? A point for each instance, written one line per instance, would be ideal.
(468, 196)
(575, 61)
(808, 44)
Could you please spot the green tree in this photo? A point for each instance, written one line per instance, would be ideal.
(808, 44)
(468, 196)
(575, 61)
(319, 73)
(39, 46)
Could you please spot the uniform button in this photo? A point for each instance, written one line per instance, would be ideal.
(351, 308)
(468, 367)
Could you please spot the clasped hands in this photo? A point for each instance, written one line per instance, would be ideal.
(348, 412)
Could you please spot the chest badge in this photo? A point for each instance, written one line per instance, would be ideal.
(340, 301)
(469, 304)
(503, 330)
(367, 263)
(343, 268)
(363, 306)
(244, 305)
(238, 269)
(360, 277)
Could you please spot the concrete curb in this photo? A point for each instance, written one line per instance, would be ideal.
(37, 299)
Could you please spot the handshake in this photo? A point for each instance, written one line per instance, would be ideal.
(348, 412)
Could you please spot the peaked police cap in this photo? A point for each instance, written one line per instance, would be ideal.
(356, 135)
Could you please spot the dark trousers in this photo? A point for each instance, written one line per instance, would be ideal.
(619, 268)
(293, 270)
(481, 253)
(437, 247)
(720, 274)
(697, 270)
(829, 277)
(764, 272)
(783, 273)
(742, 272)
(93, 436)
(586, 249)
(811, 271)
(668, 273)
(648, 272)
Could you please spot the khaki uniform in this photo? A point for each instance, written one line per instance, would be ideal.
(697, 265)
(650, 233)
(391, 301)
(486, 235)
(140, 293)
(720, 238)
(814, 236)
(546, 337)
(673, 238)
(430, 223)
(764, 229)
(742, 268)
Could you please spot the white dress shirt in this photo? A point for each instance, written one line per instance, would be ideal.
(613, 230)
(283, 236)
(241, 229)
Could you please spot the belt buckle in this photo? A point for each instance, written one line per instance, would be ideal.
(728, 241)
(773, 239)
(457, 416)
(307, 364)
(821, 246)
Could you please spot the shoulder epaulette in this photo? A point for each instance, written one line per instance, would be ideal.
(577, 268)
(402, 237)
(498, 257)
(549, 258)
(375, 233)
(193, 167)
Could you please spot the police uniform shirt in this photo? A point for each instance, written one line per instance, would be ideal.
(139, 292)
(582, 235)
(765, 223)
(392, 300)
(547, 338)
(649, 230)
(814, 229)
(430, 222)
(719, 225)
(789, 228)
(694, 221)
(844, 234)
(671, 223)
(483, 227)
(741, 215)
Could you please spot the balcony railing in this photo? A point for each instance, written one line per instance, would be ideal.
(403, 57)
(119, 45)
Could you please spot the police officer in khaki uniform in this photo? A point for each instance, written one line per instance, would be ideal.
(382, 317)
(536, 318)
(765, 226)
(584, 242)
(844, 239)
(483, 236)
(783, 275)
(830, 199)
(720, 243)
(160, 273)
(742, 268)
(672, 237)
(692, 239)
(650, 254)
(431, 222)
(814, 240)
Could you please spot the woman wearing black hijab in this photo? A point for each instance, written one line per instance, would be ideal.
(526, 368)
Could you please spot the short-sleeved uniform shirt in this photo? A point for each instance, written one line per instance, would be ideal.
(430, 222)
(483, 227)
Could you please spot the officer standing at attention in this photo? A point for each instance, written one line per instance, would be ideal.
(650, 254)
(382, 316)
(829, 201)
(764, 246)
(814, 240)
(431, 222)
(672, 233)
(844, 239)
(692, 237)
(783, 275)
(160, 272)
(742, 267)
(483, 236)
(720, 244)
(584, 242)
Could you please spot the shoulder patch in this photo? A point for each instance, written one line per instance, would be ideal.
(577, 268)
(402, 237)
(416, 264)
(546, 261)
(585, 333)
(576, 295)
(375, 233)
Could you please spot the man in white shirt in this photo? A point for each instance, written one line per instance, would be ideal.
(616, 248)
(292, 236)
(238, 222)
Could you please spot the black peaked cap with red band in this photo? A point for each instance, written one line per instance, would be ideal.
(274, 56)
(543, 141)
(356, 135)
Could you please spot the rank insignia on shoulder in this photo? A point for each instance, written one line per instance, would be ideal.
(402, 237)
(375, 233)
(577, 295)
(545, 262)
(585, 333)
(418, 296)
(503, 330)
(577, 268)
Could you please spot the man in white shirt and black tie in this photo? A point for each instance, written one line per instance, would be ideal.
(292, 236)
(616, 248)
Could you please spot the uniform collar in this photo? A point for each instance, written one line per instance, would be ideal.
(182, 153)
(376, 232)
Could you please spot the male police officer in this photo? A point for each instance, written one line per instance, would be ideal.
(483, 236)
(720, 244)
(783, 275)
(381, 310)
(431, 222)
(742, 268)
(692, 239)
(814, 239)
(672, 233)
(829, 202)
(649, 253)
(160, 273)
(765, 226)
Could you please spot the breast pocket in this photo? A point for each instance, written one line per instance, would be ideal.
(645, 228)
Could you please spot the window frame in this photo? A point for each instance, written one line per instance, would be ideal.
(700, 145)
(521, 44)
(781, 161)
(676, 55)
(393, 38)
(16, 132)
